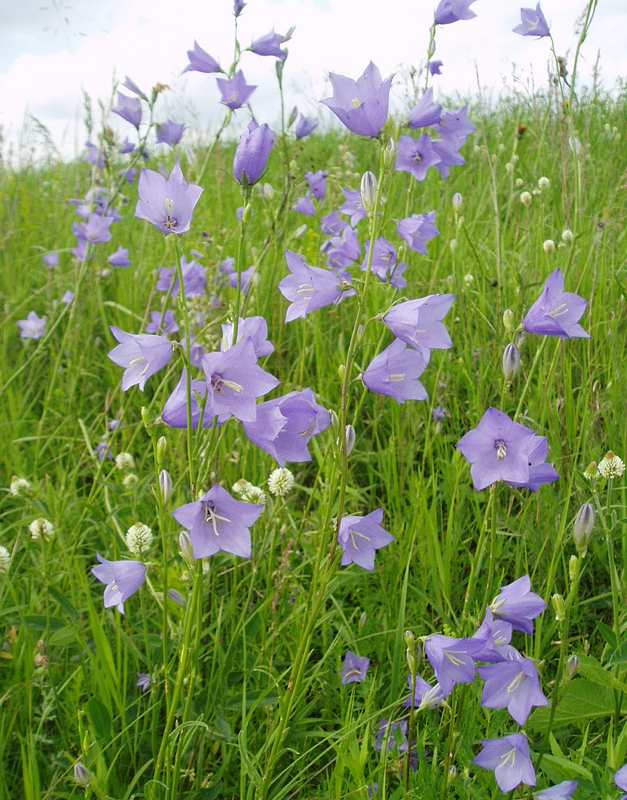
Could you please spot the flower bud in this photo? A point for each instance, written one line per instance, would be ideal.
(518, 183)
(363, 618)
(559, 607)
(453, 245)
(509, 168)
(508, 320)
(82, 776)
(389, 154)
(162, 446)
(583, 526)
(145, 415)
(573, 568)
(572, 665)
(177, 597)
(165, 485)
(526, 199)
(548, 246)
(458, 201)
(511, 361)
(349, 434)
(368, 191)
(5, 559)
(185, 546)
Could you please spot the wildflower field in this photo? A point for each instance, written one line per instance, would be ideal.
(284, 515)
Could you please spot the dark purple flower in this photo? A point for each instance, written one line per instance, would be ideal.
(310, 288)
(167, 203)
(174, 412)
(498, 450)
(332, 224)
(317, 182)
(170, 132)
(194, 279)
(384, 263)
(120, 258)
(304, 126)
(162, 323)
(253, 328)
(556, 312)
(129, 108)
(201, 61)
(533, 23)
(509, 759)
(540, 473)
(416, 156)
(305, 205)
(449, 11)
(235, 381)
(425, 695)
(361, 105)
(122, 579)
(51, 260)
(353, 207)
(394, 733)
(252, 153)
(141, 355)
(418, 230)
(270, 44)
(238, 7)
(395, 373)
(360, 538)
(217, 522)
(427, 113)
(452, 660)
(518, 605)
(342, 250)
(130, 84)
(235, 91)
(513, 685)
(435, 67)
(354, 669)
(562, 791)
(33, 327)
(284, 426)
(419, 324)
(96, 230)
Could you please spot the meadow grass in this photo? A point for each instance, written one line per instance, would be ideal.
(246, 677)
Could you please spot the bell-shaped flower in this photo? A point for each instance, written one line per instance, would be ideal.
(361, 105)
(142, 355)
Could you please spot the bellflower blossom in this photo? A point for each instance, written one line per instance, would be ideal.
(353, 207)
(201, 61)
(304, 126)
(235, 381)
(270, 44)
(170, 133)
(129, 108)
(395, 373)
(449, 11)
(509, 759)
(354, 669)
(126, 147)
(361, 105)
(310, 288)
(562, 791)
(317, 182)
(94, 155)
(360, 538)
(495, 635)
(227, 268)
(120, 258)
(33, 327)
(305, 206)
(513, 685)
(427, 113)
(96, 230)
(217, 522)
(533, 23)
(556, 312)
(121, 578)
(174, 412)
(252, 153)
(418, 230)
(332, 224)
(425, 695)
(342, 250)
(540, 473)
(253, 328)
(142, 355)
(419, 324)
(395, 733)
(455, 126)
(435, 67)
(384, 264)
(452, 660)
(51, 260)
(416, 156)
(130, 84)
(167, 203)
(235, 91)
(238, 7)
(161, 322)
(194, 279)
(285, 425)
(518, 605)
(620, 779)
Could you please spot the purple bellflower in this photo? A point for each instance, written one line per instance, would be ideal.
(122, 579)
(385, 264)
(51, 260)
(310, 288)
(425, 695)
(360, 538)
(354, 669)
(562, 791)
(533, 23)
(130, 84)
(252, 153)
(353, 207)
(96, 230)
(120, 258)
(452, 660)
(513, 685)
(395, 373)
(495, 635)
(235, 91)
(94, 155)
(67, 297)
(419, 324)
(509, 759)
(170, 133)
(435, 67)
(144, 682)
(174, 412)
(227, 268)
(129, 108)
(449, 11)
(270, 45)
(556, 312)
(253, 328)
(162, 323)
(238, 7)
(418, 230)
(394, 733)
(427, 113)
(126, 147)
(201, 61)
(235, 381)
(305, 205)
(304, 126)
(332, 224)
(217, 522)
(284, 426)
(455, 126)
(194, 279)
(416, 156)
(361, 105)
(620, 779)
(317, 182)
(142, 355)
(342, 250)
(167, 203)
(518, 605)
(540, 473)
(33, 327)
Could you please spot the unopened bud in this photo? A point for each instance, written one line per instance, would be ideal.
(368, 191)
(511, 361)
(526, 199)
(548, 246)
(165, 485)
(572, 665)
(349, 434)
(509, 168)
(185, 546)
(583, 526)
(145, 414)
(573, 568)
(362, 619)
(82, 776)
(458, 201)
(389, 154)
(559, 607)
(162, 447)
(508, 320)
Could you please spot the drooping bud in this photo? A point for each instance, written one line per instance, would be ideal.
(165, 485)
(368, 191)
(583, 527)
(508, 320)
(511, 361)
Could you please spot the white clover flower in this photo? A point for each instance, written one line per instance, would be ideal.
(611, 466)
(509, 168)
(5, 559)
(543, 183)
(139, 538)
(549, 246)
(280, 482)
(124, 461)
(19, 486)
(526, 199)
(130, 480)
(41, 527)
(567, 236)
(469, 279)
(241, 486)
(255, 495)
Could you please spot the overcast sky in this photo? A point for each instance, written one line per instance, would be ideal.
(53, 49)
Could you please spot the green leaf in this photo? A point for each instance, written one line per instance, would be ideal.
(100, 720)
(590, 668)
(581, 702)
(564, 768)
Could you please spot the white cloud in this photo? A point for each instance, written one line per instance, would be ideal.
(147, 39)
